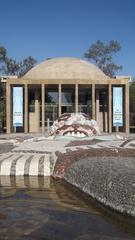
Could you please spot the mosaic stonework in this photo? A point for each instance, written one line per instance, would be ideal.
(75, 125)
(25, 164)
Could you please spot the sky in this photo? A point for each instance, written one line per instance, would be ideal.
(66, 28)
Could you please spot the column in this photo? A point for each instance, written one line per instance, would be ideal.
(97, 106)
(110, 108)
(127, 108)
(43, 107)
(8, 107)
(93, 101)
(76, 98)
(59, 99)
(26, 109)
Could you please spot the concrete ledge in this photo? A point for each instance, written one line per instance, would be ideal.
(111, 181)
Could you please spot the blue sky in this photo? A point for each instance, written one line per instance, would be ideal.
(58, 28)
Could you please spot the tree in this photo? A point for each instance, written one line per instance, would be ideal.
(101, 54)
(26, 65)
(12, 67)
(3, 53)
(9, 66)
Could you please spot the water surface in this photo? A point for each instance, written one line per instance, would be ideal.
(33, 208)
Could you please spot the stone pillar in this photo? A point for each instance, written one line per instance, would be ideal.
(127, 108)
(93, 101)
(26, 109)
(8, 107)
(97, 106)
(106, 121)
(76, 98)
(59, 99)
(43, 107)
(110, 107)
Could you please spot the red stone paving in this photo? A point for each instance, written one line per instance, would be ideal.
(83, 142)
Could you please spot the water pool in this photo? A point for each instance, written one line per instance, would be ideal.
(33, 208)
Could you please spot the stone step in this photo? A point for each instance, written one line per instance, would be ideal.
(25, 164)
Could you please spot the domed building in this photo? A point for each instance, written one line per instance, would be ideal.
(62, 85)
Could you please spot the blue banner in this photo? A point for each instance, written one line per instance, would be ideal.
(117, 106)
(17, 106)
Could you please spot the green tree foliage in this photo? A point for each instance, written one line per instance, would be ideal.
(26, 65)
(3, 53)
(12, 67)
(101, 54)
(9, 66)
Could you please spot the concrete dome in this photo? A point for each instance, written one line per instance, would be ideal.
(65, 68)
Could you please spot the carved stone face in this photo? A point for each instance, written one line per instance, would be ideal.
(76, 125)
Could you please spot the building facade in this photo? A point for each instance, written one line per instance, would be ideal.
(63, 85)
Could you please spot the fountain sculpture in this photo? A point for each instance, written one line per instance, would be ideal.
(75, 125)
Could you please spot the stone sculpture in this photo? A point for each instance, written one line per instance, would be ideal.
(75, 125)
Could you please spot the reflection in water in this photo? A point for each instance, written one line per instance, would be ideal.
(41, 208)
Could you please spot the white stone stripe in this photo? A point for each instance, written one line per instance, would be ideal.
(7, 163)
(5, 155)
(21, 164)
(47, 165)
(33, 169)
